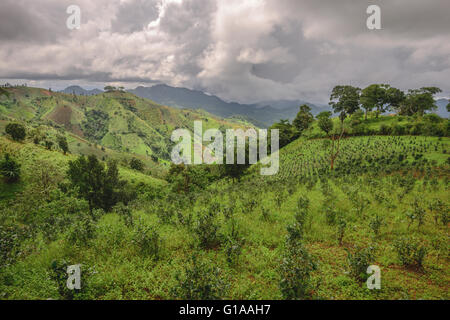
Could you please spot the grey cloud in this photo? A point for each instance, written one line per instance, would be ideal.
(134, 16)
(240, 50)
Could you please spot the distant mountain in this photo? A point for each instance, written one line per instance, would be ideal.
(80, 91)
(260, 114)
(284, 104)
(442, 107)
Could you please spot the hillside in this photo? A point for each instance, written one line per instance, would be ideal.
(256, 113)
(116, 120)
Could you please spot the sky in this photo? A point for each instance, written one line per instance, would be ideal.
(240, 50)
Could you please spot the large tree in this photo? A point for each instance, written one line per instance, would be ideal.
(418, 101)
(98, 184)
(345, 100)
(303, 119)
(380, 97)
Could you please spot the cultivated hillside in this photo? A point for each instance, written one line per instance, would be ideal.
(116, 120)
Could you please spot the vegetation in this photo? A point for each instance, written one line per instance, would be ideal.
(143, 229)
(16, 131)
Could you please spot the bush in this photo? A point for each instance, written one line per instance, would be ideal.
(137, 164)
(148, 240)
(200, 281)
(233, 244)
(375, 225)
(16, 131)
(206, 230)
(359, 261)
(410, 252)
(295, 270)
(82, 231)
(124, 213)
(9, 169)
(59, 275)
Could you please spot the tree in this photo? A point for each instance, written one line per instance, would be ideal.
(109, 88)
(62, 142)
(287, 132)
(303, 119)
(345, 100)
(324, 121)
(136, 164)
(98, 184)
(9, 169)
(448, 107)
(16, 131)
(394, 98)
(418, 101)
(381, 97)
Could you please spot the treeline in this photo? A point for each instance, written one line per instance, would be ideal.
(354, 103)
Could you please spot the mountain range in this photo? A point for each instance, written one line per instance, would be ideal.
(80, 91)
(261, 114)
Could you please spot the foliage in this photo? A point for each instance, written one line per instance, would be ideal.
(411, 252)
(136, 164)
(295, 271)
(98, 184)
(359, 261)
(303, 119)
(148, 240)
(16, 131)
(62, 142)
(9, 169)
(200, 280)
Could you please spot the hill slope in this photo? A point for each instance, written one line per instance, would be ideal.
(192, 99)
(117, 120)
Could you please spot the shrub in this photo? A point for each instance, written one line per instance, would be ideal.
(295, 232)
(62, 142)
(16, 131)
(137, 164)
(233, 244)
(148, 240)
(375, 225)
(295, 270)
(200, 281)
(59, 275)
(82, 230)
(359, 261)
(410, 252)
(330, 215)
(206, 229)
(124, 213)
(341, 226)
(9, 169)
(9, 243)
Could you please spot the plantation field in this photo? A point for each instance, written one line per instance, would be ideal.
(385, 204)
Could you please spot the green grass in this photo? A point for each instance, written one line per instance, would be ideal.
(113, 266)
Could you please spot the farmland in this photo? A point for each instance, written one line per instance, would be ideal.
(235, 239)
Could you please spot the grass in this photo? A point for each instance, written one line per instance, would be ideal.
(114, 268)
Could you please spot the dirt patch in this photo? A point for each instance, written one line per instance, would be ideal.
(62, 116)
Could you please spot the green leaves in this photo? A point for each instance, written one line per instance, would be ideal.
(9, 169)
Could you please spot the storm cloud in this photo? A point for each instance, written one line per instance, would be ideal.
(246, 51)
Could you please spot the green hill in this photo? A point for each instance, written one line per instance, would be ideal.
(116, 120)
